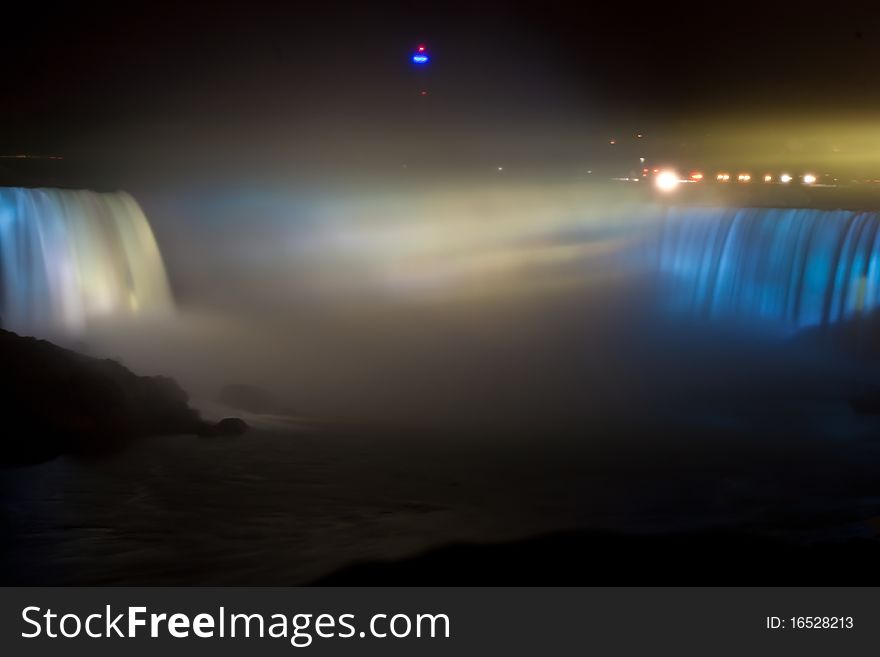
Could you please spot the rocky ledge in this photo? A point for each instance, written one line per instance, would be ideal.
(54, 401)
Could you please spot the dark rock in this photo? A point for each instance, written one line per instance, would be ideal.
(55, 401)
(865, 401)
(252, 399)
(865, 405)
(593, 558)
(228, 426)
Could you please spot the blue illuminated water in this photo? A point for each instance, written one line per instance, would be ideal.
(797, 267)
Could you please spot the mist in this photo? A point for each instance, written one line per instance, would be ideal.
(492, 311)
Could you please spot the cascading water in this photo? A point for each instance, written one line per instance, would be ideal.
(70, 257)
(798, 267)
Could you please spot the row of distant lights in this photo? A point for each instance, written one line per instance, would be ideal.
(668, 180)
(807, 178)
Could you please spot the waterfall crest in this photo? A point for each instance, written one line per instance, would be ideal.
(69, 257)
(798, 266)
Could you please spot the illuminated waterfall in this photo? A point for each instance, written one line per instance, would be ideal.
(71, 257)
(798, 267)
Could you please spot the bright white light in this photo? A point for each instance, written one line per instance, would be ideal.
(744, 177)
(666, 181)
(785, 178)
(768, 178)
(809, 178)
(722, 177)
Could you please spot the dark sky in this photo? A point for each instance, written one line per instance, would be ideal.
(128, 78)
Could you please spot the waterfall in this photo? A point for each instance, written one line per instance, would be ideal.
(799, 267)
(69, 257)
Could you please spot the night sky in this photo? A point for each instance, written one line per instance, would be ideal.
(331, 82)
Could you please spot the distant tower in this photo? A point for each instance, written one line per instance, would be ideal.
(421, 60)
(421, 57)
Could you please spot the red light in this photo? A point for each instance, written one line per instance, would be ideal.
(421, 48)
(423, 92)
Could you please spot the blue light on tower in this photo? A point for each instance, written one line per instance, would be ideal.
(420, 56)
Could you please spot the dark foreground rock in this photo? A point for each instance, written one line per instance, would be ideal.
(228, 426)
(54, 401)
(866, 401)
(592, 558)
